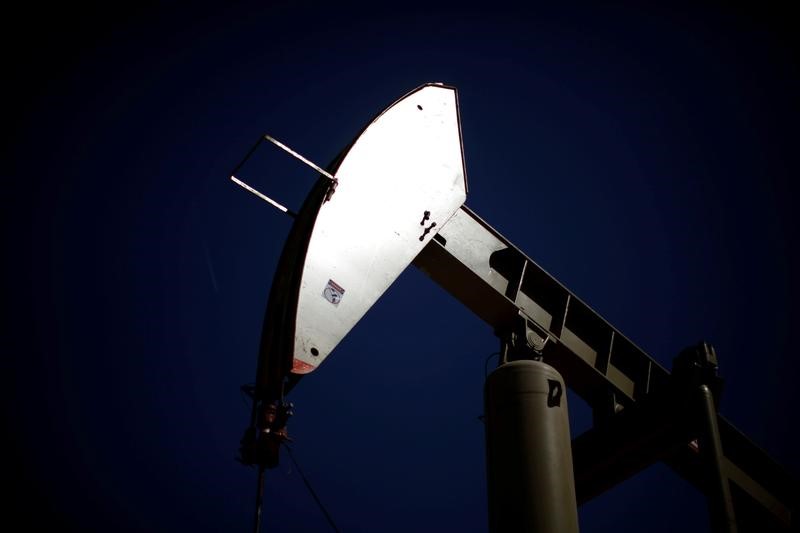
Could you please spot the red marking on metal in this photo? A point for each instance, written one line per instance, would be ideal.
(335, 286)
(301, 367)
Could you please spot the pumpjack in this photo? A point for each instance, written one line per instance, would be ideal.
(395, 197)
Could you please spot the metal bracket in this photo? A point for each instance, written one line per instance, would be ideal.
(527, 340)
(331, 177)
(695, 366)
(261, 442)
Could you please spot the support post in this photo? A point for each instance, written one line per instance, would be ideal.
(531, 487)
(718, 493)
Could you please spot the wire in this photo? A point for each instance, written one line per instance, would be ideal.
(245, 399)
(310, 489)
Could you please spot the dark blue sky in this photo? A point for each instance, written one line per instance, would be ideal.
(646, 157)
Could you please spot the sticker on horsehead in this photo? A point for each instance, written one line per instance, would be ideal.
(333, 292)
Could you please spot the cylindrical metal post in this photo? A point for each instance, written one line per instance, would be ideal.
(531, 486)
(718, 494)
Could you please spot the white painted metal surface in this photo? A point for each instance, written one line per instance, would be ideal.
(405, 164)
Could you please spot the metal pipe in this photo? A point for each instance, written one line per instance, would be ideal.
(718, 493)
(259, 500)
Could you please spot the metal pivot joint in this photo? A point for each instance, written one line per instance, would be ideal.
(525, 340)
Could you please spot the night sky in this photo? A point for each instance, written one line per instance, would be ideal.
(646, 157)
